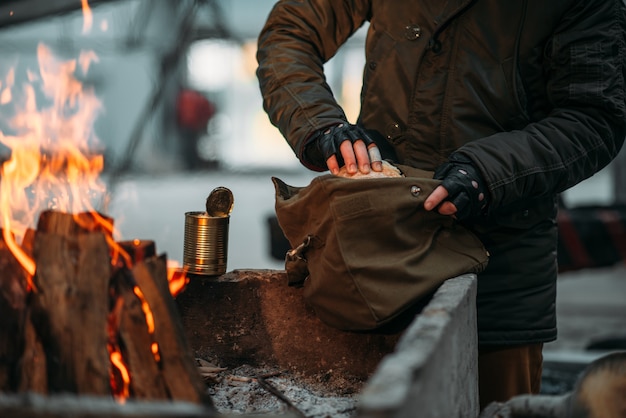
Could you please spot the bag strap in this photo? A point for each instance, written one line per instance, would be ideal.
(296, 263)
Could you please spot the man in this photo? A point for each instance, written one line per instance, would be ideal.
(508, 102)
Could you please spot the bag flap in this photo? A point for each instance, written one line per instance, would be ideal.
(377, 251)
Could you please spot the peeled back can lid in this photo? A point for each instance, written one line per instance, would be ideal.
(220, 202)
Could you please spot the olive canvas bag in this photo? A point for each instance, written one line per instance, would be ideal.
(365, 250)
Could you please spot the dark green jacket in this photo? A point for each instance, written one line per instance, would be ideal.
(531, 90)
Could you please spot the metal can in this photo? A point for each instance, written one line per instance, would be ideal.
(206, 243)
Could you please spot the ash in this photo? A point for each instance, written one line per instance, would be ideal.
(250, 390)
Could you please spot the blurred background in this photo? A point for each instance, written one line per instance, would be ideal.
(181, 109)
(182, 114)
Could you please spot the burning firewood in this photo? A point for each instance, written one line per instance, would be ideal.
(12, 312)
(20, 346)
(96, 321)
(176, 361)
(69, 312)
(79, 314)
(146, 380)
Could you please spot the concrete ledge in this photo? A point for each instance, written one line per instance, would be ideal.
(433, 370)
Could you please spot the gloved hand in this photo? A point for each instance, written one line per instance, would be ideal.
(466, 188)
(326, 143)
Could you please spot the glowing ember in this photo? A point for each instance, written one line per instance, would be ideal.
(155, 352)
(149, 321)
(116, 359)
(177, 277)
(146, 309)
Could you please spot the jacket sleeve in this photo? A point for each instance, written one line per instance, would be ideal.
(299, 36)
(585, 129)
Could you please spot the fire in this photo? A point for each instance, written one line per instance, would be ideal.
(87, 16)
(121, 390)
(54, 165)
(146, 309)
(51, 138)
(177, 277)
(116, 359)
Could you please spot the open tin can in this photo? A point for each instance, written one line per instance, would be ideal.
(206, 243)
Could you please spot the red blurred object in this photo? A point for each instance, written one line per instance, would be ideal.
(193, 110)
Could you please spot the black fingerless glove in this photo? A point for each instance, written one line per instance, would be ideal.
(325, 143)
(466, 188)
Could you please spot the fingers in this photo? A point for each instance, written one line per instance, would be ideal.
(352, 154)
(356, 157)
(376, 160)
(436, 199)
(447, 208)
(349, 159)
(332, 164)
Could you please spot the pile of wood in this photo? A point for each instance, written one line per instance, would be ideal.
(57, 333)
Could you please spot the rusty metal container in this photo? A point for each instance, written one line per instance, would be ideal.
(206, 243)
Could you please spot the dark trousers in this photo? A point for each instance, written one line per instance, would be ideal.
(504, 372)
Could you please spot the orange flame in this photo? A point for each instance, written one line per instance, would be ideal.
(52, 164)
(120, 390)
(51, 137)
(118, 362)
(155, 352)
(87, 16)
(177, 277)
(146, 309)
